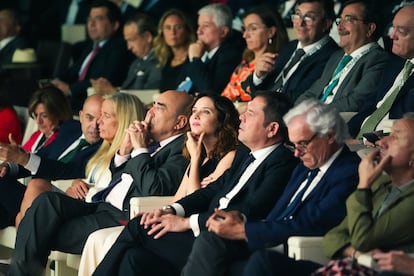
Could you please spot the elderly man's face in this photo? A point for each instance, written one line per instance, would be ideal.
(313, 150)
(353, 32)
(403, 33)
(398, 145)
(209, 33)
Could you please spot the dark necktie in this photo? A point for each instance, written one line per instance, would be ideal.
(341, 65)
(101, 195)
(291, 208)
(69, 156)
(85, 68)
(297, 55)
(375, 118)
(249, 159)
(153, 147)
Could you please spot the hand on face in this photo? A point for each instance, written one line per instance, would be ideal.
(194, 144)
(196, 50)
(371, 168)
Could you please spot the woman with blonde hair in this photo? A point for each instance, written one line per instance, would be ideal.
(175, 33)
(117, 112)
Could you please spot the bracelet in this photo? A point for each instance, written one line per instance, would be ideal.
(354, 254)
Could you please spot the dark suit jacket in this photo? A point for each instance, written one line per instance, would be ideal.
(213, 76)
(403, 103)
(111, 62)
(143, 74)
(257, 196)
(321, 210)
(160, 174)
(6, 54)
(359, 84)
(308, 71)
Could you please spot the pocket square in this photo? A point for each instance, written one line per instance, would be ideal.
(140, 73)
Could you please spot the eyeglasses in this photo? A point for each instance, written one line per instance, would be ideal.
(251, 28)
(307, 18)
(347, 19)
(301, 146)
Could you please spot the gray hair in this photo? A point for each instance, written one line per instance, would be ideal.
(321, 119)
(220, 13)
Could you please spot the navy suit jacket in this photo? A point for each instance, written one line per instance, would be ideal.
(111, 62)
(321, 210)
(403, 103)
(308, 71)
(257, 196)
(6, 54)
(212, 76)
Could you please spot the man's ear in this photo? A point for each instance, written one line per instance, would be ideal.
(224, 31)
(181, 122)
(273, 129)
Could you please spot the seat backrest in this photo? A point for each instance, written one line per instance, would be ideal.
(54, 56)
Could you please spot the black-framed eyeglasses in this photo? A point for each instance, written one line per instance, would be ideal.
(301, 146)
(307, 18)
(347, 19)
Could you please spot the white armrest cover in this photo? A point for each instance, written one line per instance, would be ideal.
(306, 248)
(147, 204)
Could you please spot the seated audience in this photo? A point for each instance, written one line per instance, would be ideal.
(104, 54)
(210, 146)
(136, 172)
(159, 242)
(10, 125)
(94, 174)
(379, 213)
(312, 203)
(264, 33)
(300, 63)
(144, 72)
(51, 110)
(10, 40)
(216, 52)
(351, 74)
(394, 93)
(175, 34)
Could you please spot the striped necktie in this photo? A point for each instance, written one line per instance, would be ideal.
(375, 118)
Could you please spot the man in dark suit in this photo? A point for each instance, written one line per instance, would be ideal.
(145, 71)
(70, 221)
(159, 242)
(9, 36)
(62, 159)
(312, 22)
(395, 92)
(104, 55)
(312, 203)
(351, 74)
(216, 53)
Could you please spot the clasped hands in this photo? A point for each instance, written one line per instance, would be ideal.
(137, 136)
(160, 222)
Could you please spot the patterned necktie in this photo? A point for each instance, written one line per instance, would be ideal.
(85, 68)
(291, 208)
(344, 61)
(69, 156)
(375, 118)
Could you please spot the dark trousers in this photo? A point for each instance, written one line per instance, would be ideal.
(137, 253)
(213, 255)
(11, 196)
(267, 262)
(57, 222)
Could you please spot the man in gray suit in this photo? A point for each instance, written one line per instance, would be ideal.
(351, 74)
(144, 72)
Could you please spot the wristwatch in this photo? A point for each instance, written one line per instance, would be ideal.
(169, 208)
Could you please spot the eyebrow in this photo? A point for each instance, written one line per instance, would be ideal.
(160, 104)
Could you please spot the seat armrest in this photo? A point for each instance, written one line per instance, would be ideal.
(306, 248)
(147, 204)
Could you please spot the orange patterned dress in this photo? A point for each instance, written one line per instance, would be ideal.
(238, 87)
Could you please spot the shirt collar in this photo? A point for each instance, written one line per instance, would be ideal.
(328, 163)
(6, 41)
(314, 45)
(264, 152)
(363, 48)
